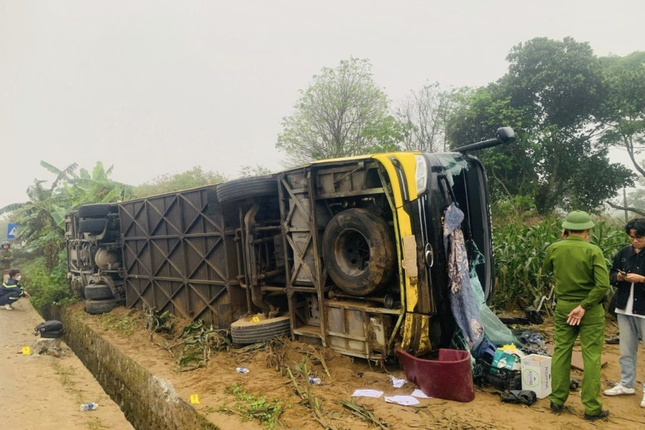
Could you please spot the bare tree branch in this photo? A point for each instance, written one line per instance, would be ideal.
(627, 208)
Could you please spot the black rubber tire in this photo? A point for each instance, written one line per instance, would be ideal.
(95, 307)
(359, 252)
(246, 188)
(97, 210)
(245, 332)
(92, 225)
(98, 292)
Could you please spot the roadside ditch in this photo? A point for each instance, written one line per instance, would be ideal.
(148, 402)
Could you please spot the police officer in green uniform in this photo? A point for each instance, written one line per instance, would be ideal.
(581, 282)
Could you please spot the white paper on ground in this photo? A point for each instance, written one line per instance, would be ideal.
(420, 394)
(402, 400)
(367, 393)
(397, 383)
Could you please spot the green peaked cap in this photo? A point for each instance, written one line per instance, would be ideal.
(578, 220)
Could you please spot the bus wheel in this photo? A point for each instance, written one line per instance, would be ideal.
(98, 292)
(95, 307)
(245, 188)
(92, 225)
(359, 252)
(96, 210)
(249, 330)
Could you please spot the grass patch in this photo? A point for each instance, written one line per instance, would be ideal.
(65, 375)
(254, 407)
(122, 325)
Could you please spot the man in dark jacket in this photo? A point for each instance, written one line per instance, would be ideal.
(11, 290)
(628, 274)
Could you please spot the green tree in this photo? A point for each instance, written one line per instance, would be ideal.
(94, 187)
(195, 177)
(625, 115)
(553, 95)
(477, 118)
(42, 217)
(342, 113)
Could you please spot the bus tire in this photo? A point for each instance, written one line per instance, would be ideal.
(358, 251)
(98, 292)
(244, 331)
(96, 307)
(245, 188)
(92, 225)
(97, 210)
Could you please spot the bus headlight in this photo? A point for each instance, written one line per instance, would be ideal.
(421, 174)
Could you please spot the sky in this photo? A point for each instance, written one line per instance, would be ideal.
(158, 87)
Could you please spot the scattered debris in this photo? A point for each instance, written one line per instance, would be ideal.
(367, 393)
(47, 346)
(402, 400)
(397, 383)
(365, 414)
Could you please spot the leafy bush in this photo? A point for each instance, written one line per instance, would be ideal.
(45, 288)
(520, 248)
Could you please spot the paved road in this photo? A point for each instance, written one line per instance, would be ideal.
(44, 392)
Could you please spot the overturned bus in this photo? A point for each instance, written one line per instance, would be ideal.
(346, 253)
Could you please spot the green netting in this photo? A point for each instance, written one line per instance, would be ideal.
(458, 341)
(494, 329)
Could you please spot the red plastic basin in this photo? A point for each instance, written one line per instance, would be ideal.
(450, 377)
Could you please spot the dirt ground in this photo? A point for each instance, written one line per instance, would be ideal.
(43, 392)
(212, 385)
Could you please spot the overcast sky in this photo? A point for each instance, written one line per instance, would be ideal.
(156, 87)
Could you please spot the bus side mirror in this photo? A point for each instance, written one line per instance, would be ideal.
(505, 135)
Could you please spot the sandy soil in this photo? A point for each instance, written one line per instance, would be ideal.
(44, 392)
(346, 375)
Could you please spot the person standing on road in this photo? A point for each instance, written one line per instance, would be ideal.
(628, 274)
(11, 290)
(581, 282)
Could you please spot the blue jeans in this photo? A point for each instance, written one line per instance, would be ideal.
(631, 329)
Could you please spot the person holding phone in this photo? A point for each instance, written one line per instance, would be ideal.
(628, 274)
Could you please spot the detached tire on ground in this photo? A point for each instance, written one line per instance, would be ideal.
(359, 252)
(245, 188)
(245, 331)
(92, 225)
(97, 210)
(95, 307)
(98, 292)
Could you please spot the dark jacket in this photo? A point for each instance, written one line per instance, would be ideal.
(11, 286)
(629, 261)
